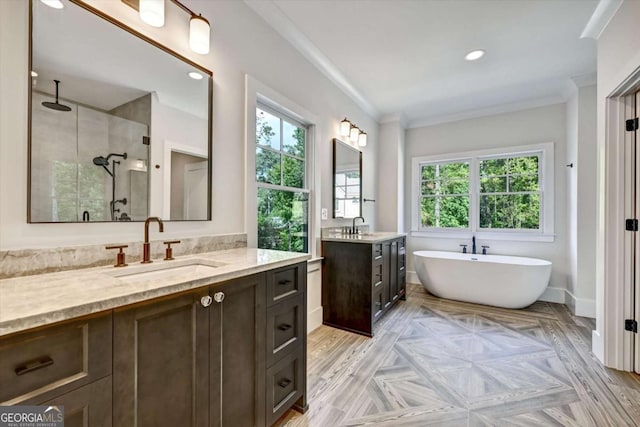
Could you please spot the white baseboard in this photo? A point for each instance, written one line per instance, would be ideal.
(314, 319)
(581, 306)
(553, 294)
(597, 345)
(412, 277)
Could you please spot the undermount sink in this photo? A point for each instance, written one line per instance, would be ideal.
(166, 270)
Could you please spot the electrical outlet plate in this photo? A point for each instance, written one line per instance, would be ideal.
(325, 213)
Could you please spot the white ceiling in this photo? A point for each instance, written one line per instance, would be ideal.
(406, 57)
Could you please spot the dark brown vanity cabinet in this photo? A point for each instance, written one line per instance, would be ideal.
(361, 282)
(228, 354)
(206, 357)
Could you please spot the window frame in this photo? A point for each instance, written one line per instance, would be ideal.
(546, 232)
(305, 189)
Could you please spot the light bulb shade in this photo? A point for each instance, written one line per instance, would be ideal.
(345, 127)
(353, 136)
(152, 12)
(199, 34)
(56, 4)
(362, 139)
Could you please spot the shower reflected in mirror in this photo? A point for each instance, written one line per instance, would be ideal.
(113, 204)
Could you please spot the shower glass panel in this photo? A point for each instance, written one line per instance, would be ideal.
(78, 167)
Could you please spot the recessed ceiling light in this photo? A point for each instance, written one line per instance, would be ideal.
(34, 74)
(195, 76)
(56, 4)
(474, 54)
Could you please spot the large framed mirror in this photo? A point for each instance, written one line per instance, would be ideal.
(347, 180)
(119, 126)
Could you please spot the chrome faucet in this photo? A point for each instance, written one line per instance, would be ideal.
(354, 230)
(146, 246)
(473, 245)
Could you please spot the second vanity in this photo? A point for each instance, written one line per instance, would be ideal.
(363, 276)
(216, 339)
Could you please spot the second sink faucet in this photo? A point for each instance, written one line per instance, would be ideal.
(146, 246)
(354, 230)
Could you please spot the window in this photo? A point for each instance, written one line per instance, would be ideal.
(283, 196)
(503, 194)
(444, 195)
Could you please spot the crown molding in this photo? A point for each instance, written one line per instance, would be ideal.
(280, 22)
(604, 11)
(483, 112)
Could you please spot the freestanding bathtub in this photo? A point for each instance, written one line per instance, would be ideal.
(501, 281)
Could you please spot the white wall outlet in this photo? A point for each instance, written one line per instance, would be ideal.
(325, 213)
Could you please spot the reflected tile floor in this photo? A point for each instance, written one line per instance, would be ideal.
(445, 363)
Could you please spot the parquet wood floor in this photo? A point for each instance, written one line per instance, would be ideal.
(434, 362)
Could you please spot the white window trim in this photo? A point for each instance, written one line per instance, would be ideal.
(546, 174)
(257, 92)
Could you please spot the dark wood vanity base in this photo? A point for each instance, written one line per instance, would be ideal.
(232, 353)
(361, 281)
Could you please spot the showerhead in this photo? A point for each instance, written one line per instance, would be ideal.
(56, 105)
(100, 161)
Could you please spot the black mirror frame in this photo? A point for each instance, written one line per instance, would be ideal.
(337, 141)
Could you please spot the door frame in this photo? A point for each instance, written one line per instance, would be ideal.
(615, 345)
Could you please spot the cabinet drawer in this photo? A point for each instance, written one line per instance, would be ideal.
(285, 282)
(377, 304)
(88, 406)
(376, 276)
(285, 324)
(377, 252)
(54, 360)
(284, 385)
(401, 244)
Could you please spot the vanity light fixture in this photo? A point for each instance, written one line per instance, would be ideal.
(152, 13)
(345, 127)
(199, 34)
(56, 4)
(351, 131)
(195, 75)
(354, 133)
(474, 54)
(362, 139)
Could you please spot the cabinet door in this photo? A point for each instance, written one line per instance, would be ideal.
(161, 367)
(238, 318)
(393, 272)
(402, 273)
(88, 406)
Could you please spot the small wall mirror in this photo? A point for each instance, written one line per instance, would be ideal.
(119, 125)
(347, 180)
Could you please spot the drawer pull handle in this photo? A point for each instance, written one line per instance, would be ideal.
(283, 383)
(284, 282)
(34, 365)
(206, 301)
(284, 327)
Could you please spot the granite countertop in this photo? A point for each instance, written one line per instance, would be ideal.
(363, 238)
(31, 301)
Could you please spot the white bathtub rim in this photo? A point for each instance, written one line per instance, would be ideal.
(500, 259)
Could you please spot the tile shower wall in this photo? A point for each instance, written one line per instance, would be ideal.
(64, 180)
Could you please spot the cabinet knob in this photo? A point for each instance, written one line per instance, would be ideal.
(206, 301)
(218, 296)
(284, 382)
